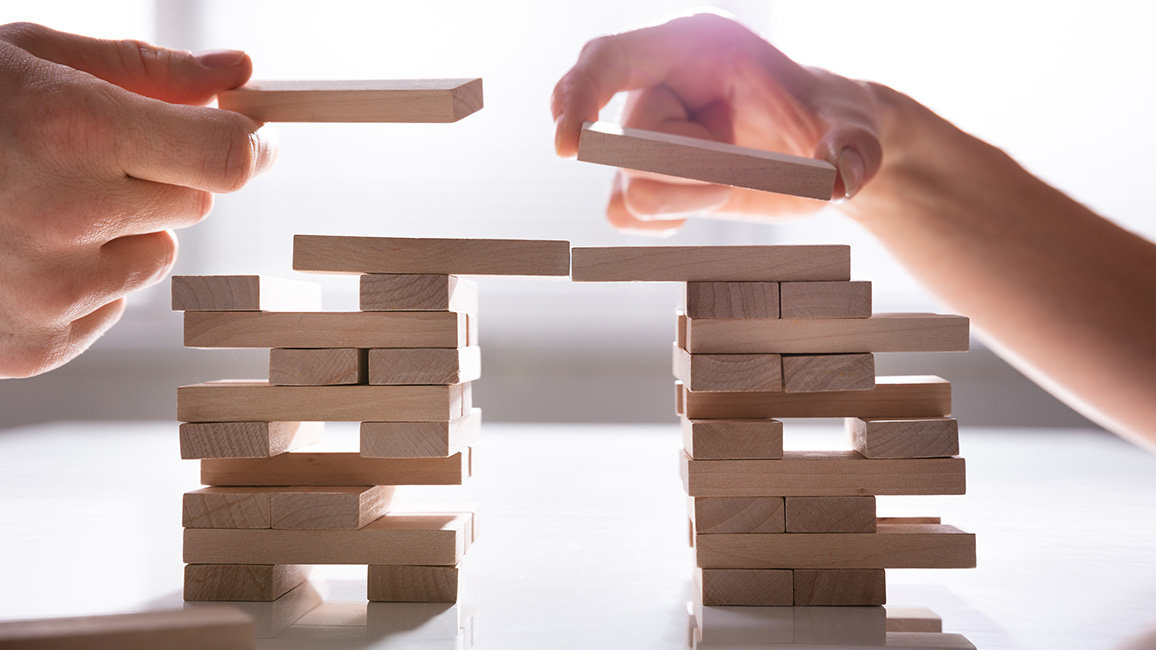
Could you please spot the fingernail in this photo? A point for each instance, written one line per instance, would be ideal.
(220, 59)
(850, 171)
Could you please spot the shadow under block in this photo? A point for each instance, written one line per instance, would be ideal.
(418, 293)
(840, 587)
(732, 439)
(418, 366)
(250, 582)
(825, 299)
(879, 333)
(397, 100)
(746, 587)
(710, 263)
(317, 366)
(393, 255)
(712, 515)
(899, 397)
(243, 293)
(217, 627)
(426, 539)
(705, 160)
(246, 439)
(335, 469)
(844, 514)
(731, 299)
(344, 329)
(412, 584)
(729, 372)
(817, 473)
(908, 438)
(274, 617)
(245, 401)
(811, 373)
(420, 439)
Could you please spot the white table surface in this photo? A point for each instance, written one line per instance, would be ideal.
(583, 539)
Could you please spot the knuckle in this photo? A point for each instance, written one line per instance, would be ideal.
(72, 125)
(21, 33)
(143, 59)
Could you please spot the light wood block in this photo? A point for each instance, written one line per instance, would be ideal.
(680, 330)
(727, 439)
(903, 397)
(711, 515)
(335, 329)
(710, 263)
(227, 507)
(335, 468)
(243, 293)
(840, 587)
(913, 619)
(908, 438)
(392, 100)
(413, 584)
(731, 299)
(424, 366)
(246, 439)
(337, 507)
(339, 254)
(418, 293)
(705, 160)
(728, 372)
(825, 299)
(679, 407)
(420, 439)
(846, 514)
(317, 366)
(879, 333)
(216, 627)
(819, 473)
(747, 587)
(246, 401)
(815, 373)
(249, 582)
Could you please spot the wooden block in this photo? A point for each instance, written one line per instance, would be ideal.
(748, 587)
(818, 473)
(825, 299)
(710, 263)
(243, 293)
(338, 507)
(249, 582)
(226, 507)
(732, 299)
(418, 293)
(335, 468)
(393, 100)
(705, 160)
(217, 627)
(711, 515)
(726, 439)
(879, 333)
(913, 619)
(680, 330)
(472, 337)
(430, 539)
(317, 367)
(246, 439)
(338, 254)
(417, 366)
(679, 407)
(911, 546)
(816, 373)
(906, 520)
(906, 438)
(420, 439)
(728, 372)
(341, 329)
(840, 587)
(847, 514)
(413, 584)
(245, 401)
(903, 397)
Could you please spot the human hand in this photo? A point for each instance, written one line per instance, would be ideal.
(706, 76)
(104, 149)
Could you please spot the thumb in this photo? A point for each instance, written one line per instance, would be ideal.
(856, 153)
(175, 76)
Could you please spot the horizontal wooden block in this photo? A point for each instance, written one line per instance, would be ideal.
(815, 373)
(819, 473)
(243, 293)
(845, 514)
(317, 366)
(246, 401)
(712, 515)
(246, 439)
(879, 521)
(425, 366)
(431, 539)
(217, 627)
(385, 100)
(728, 372)
(904, 438)
(413, 584)
(334, 329)
(825, 300)
(913, 619)
(339, 254)
(747, 587)
(892, 397)
(249, 582)
(335, 468)
(879, 333)
(227, 507)
(418, 293)
(731, 299)
(911, 546)
(727, 439)
(337, 507)
(710, 263)
(420, 439)
(705, 160)
(840, 587)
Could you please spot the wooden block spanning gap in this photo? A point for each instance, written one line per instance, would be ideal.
(879, 333)
(420, 439)
(815, 373)
(710, 263)
(913, 619)
(904, 438)
(728, 372)
(843, 514)
(424, 366)
(731, 299)
(825, 299)
(679, 406)
(904, 397)
(335, 468)
(819, 473)
(840, 587)
(337, 507)
(246, 401)
(428, 539)
(368, 100)
(711, 515)
(423, 292)
(412, 584)
(732, 439)
(243, 293)
(705, 160)
(392, 255)
(249, 582)
(317, 366)
(334, 329)
(227, 507)
(217, 627)
(746, 587)
(246, 439)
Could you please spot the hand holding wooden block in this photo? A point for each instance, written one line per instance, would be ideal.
(402, 100)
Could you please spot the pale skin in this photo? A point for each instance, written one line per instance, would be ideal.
(1063, 294)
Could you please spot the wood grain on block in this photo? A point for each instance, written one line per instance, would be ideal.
(825, 299)
(710, 263)
(705, 160)
(728, 372)
(246, 401)
(904, 438)
(335, 507)
(424, 366)
(430, 539)
(819, 473)
(334, 329)
(341, 254)
(246, 439)
(732, 299)
(913, 619)
(384, 100)
(814, 373)
(217, 627)
(725, 439)
(746, 587)
(879, 333)
(243, 293)
(252, 582)
(420, 439)
(905, 397)
(418, 293)
(335, 468)
(713, 515)
(679, 406)
(317, 366)
(227, 507)
(845, 514)
(412, 584)
(840, 587)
